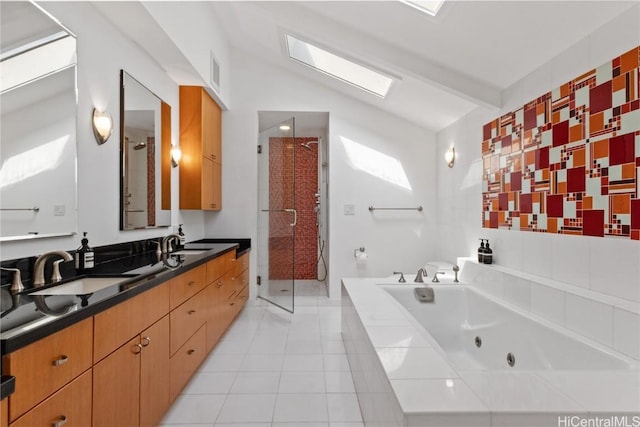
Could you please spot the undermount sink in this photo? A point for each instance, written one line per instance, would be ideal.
(84, 286)
(190, 252)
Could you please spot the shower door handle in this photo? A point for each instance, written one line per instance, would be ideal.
(295, 217)
(295, 214)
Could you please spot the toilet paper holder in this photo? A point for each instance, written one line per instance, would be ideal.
(358, 251)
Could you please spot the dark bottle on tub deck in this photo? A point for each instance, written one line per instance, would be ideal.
(488, 254)
(481, 251)
(84, 256)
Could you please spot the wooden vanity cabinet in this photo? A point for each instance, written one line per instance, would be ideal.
(45, 366)
(70, 406)
(201, 145)
(4, 412)
(131, 385)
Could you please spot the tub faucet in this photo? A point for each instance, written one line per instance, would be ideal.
(435, 276)
(455, 271)
(402, 279)
(38, 268)
(166, 243)
(422, 273)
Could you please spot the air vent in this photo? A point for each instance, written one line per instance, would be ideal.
(215, 73)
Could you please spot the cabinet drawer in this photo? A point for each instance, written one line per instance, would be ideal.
(187, 285)
(117, 325)
(70, 406)
(186, 360)
(48, 364)
(241, 263)
(240, 281)
(219, 266)
(186, 319)
(4, 412)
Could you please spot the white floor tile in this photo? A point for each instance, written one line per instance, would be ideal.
(231, 346)
(239, 425)
(302, 382)
(256, 382)
(304, 346)
(247, 408)
(221, 363)
(333, 346)
(267, 345)
(303, 362)
(300, 425)
(262, 363)
(195, 409)
(339, 382)
(301, 408)
(336, 362)
(343, 407)
(210, 383)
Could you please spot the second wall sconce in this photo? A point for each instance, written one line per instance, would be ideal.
(102, 126)
(450, 156)
(176, 155)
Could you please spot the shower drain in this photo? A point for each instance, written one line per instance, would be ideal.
(478, 342)
(511, 359)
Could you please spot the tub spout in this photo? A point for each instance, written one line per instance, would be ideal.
(422, 273)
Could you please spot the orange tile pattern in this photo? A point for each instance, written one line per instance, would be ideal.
(568, 162)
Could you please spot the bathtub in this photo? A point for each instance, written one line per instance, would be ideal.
(477, 332)
(447, 363)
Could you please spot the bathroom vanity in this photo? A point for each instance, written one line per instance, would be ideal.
(121, 354)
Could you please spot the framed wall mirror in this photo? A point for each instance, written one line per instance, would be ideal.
(38, 107)
(145, 165)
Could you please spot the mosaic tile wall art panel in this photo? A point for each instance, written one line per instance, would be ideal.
(568, 162)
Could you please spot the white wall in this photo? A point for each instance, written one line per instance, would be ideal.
(195, 31)
(604, 265)
(102, 52)
(394, 241)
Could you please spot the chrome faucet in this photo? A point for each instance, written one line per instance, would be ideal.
(435, 276)
(455, 271)
(422, 273)
(402, 279)
(38, 268)
(166, 243)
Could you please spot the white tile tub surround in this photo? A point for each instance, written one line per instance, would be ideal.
(609, 320)
(403, 377)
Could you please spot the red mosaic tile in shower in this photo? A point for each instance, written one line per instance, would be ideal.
(568, 162)
(295, 187)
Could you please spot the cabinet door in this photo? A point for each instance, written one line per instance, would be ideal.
(154, 373)
(116, 387)
(45, 366)
(70, 406)
(211, 128)
(208, 180)
(213, 327)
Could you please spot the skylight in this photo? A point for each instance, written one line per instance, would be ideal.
(430, 7)
(338, 67)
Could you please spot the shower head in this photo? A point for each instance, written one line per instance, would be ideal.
(307, 144)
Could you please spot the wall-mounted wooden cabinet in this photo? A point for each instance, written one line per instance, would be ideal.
(201, 144)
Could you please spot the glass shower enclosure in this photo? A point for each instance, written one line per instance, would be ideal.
(277, 216)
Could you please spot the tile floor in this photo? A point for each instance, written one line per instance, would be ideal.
(274, 369)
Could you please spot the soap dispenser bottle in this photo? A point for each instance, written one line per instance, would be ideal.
(488, 254)
(481, 252)
(84, 256)
(183, 239)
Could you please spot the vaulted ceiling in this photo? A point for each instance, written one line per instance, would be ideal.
(446, 65)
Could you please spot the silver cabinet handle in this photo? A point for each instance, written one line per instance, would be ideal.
(191, 283)
(219, 284)
(190, 352)
(60, 360)
(60, 422)
(146, 341)
(191, 312)
(136, 349)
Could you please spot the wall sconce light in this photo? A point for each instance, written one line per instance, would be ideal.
(450, 156)
(176, 155)
(102, 126)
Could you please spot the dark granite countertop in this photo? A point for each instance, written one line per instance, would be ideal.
(23, 315)
(7, 385)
